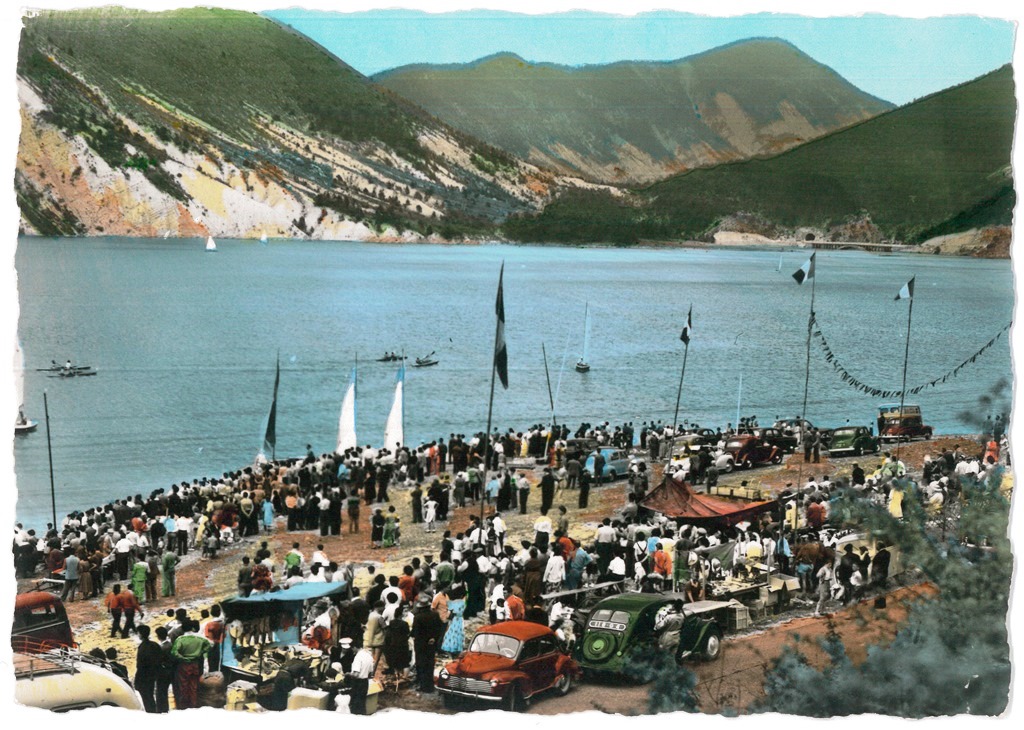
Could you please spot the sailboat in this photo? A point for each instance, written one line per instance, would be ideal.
(347, 420)
(263, 238)
(394, 429)
(167, 234)
(582, 366)
(779, 267)
(211, 245)
(21, 423)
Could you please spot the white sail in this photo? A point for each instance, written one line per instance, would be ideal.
(586, 336)
(19, 376)
(347, 421)
(263, 238)
(394, 430)
(211, 245)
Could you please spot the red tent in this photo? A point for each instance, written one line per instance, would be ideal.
(678, 501)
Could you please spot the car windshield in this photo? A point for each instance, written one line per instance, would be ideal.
(606, 614)
(498, 644)
(845, 432)
(735, 444)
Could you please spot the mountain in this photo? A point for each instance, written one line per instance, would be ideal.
(638, 122)
(202, 121)
(938, 165)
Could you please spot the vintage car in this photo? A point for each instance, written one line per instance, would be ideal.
(616, 464)
(40, 623)
(697, 437)
(579, 448)
(748, 450)
(508, 663)
(63, 680)
(723, 460)
(854, 440)
(786, 442)
(621, 627)
(897, 425)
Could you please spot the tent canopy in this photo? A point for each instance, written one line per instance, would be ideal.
(675, 499)
(285, 599)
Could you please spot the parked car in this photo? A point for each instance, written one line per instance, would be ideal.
(616, 464)
(579, 448)
(697, 437)
(40, 623)
(508, 663)
(621, 627)
(854, 440)
(894, 425)
(63, 680)
(723, 460)
(786, 442)
(748, 450)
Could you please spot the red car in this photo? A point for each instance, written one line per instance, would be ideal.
(748, 450)
(40, 623)
(507, 664)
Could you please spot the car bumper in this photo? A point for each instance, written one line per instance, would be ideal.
(469, 695)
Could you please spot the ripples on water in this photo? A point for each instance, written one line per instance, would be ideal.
(185, 343)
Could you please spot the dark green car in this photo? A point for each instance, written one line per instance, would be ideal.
(622, 627)
(854, 440)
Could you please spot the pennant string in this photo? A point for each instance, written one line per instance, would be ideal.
(847, 377)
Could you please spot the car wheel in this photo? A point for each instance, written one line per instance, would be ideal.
(612, 476)
(564, 684)
(728, 467)
(857, 451)
(777, 459)
(515, 702)
(712, 646)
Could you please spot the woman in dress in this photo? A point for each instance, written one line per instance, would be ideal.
(392, 537)
(455, 638)
(396, 645)
(85, 584)
(268, 515)
(377, 528)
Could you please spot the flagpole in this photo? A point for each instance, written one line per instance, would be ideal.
(679, 392)
(551, 400)
(490, 403)
(906, 357)
(49, 453)
(807, 376)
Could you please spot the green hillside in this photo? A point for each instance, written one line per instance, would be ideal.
(749, 98)
(218, 65)
(939, 164)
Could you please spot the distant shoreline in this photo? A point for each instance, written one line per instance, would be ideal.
(760, 244)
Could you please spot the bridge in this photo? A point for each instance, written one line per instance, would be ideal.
(860, 246)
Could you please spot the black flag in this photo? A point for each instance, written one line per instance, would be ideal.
(500, 353)
(270, 439)
(685, 336)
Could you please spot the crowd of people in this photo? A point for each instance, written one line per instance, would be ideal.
(400, 623)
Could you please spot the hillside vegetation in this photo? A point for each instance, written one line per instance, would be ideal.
(934, 166)
(205, 120)
(637, 122)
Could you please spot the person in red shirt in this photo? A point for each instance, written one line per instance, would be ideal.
(662, 563)
(816, 514)
(516, 607)
(407, 584)
(120, 603)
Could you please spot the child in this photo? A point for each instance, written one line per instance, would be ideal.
(430, 514)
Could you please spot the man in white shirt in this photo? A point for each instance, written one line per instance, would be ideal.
(554, 573)
(122, 556)
(498, 525)
(359, 680)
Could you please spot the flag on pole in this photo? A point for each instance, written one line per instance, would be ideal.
(685, 336)
(500, 353)
(270, 439)
(806, 271)
(907, 292)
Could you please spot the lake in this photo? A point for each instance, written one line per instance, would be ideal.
(185, 344)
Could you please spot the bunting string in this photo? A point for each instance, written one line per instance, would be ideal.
(857, 384)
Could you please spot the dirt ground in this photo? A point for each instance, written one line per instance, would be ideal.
(733, 681)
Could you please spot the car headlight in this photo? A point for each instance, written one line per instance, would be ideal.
(495, 683)
(442, 673)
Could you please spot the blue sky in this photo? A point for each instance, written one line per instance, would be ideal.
(896, 59)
